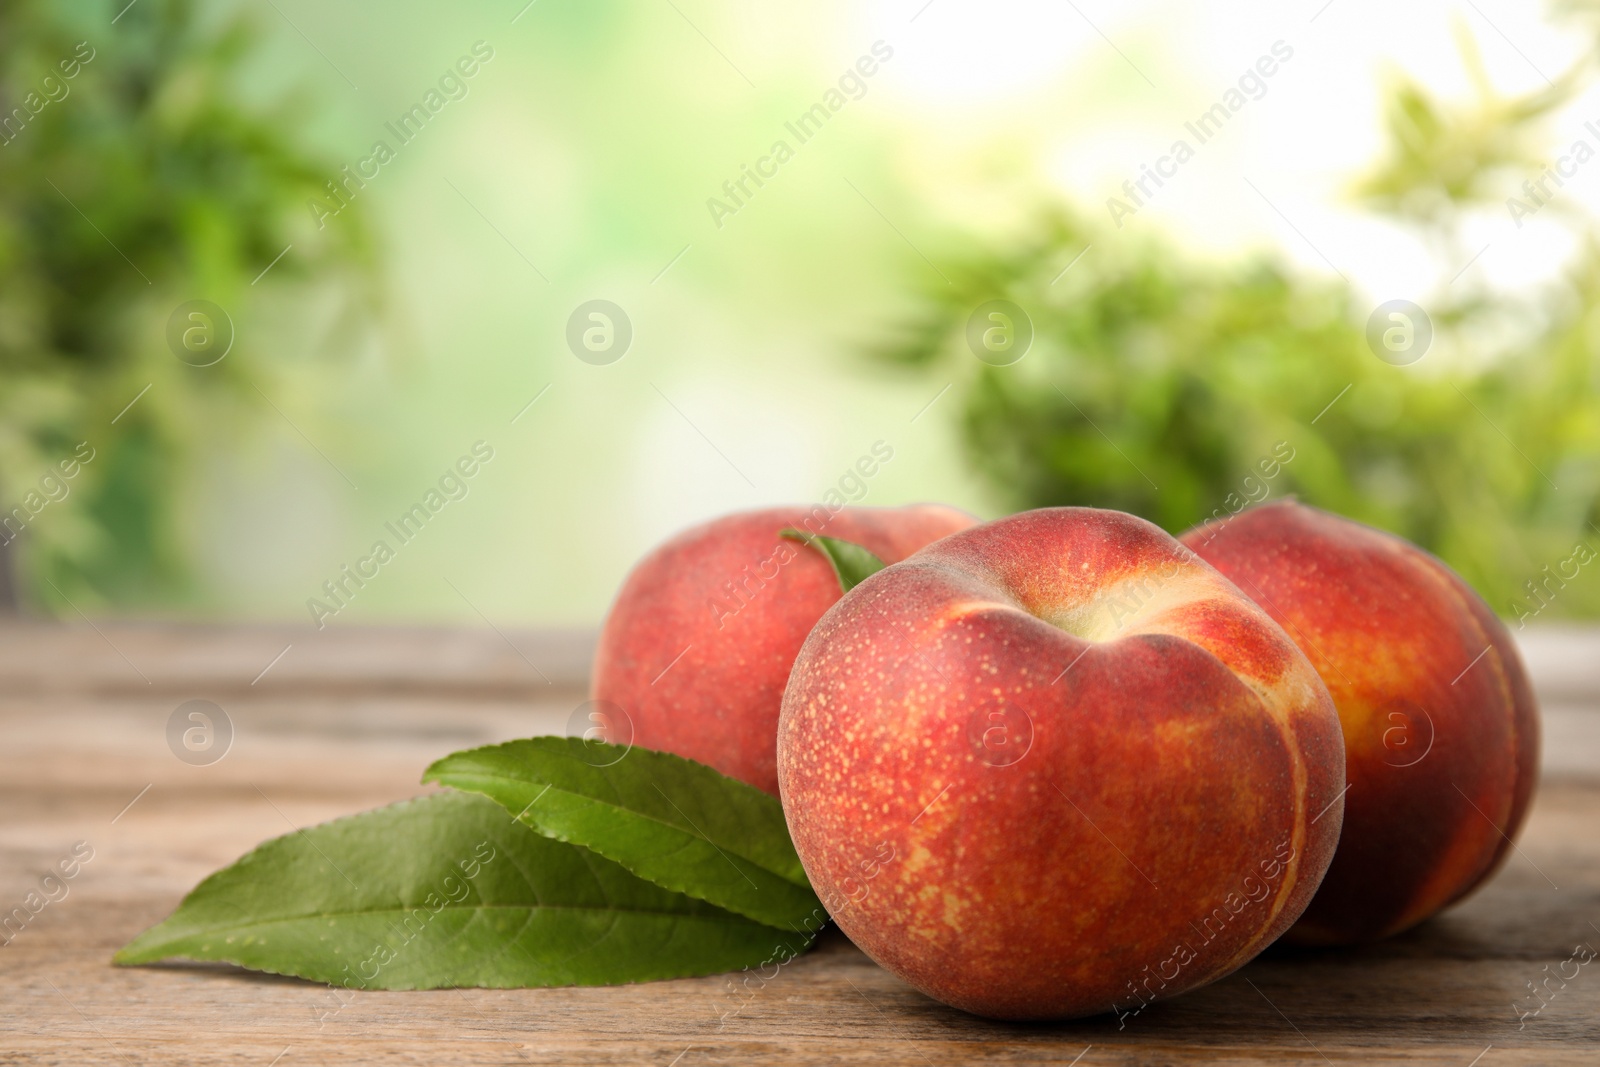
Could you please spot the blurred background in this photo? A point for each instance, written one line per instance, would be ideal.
(273, 273)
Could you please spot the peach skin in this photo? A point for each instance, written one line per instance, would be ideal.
(1056, 765)
(698, 646)
(1441, 730)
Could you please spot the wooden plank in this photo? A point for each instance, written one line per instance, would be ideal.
(120, 657)
(81, 742)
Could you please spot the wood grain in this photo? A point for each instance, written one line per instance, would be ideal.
(348, 719)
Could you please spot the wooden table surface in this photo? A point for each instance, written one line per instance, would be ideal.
(346, 720)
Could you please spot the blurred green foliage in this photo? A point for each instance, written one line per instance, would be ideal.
(1173, 388)
(133, 178)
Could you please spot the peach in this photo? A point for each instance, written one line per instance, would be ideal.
(698, 646)
(1055, 765)
(1441, 731)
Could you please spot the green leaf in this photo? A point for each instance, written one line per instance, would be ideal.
(446, 890)
(852, 563)
(674, 821)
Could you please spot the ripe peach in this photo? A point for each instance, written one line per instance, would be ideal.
(1441, 731)
(698, 646)
(1055, 765)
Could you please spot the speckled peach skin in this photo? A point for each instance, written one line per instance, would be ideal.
(740, 600)
(1055, 765)
(1440, 725)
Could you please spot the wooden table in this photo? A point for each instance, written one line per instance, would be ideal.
(346, 720)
